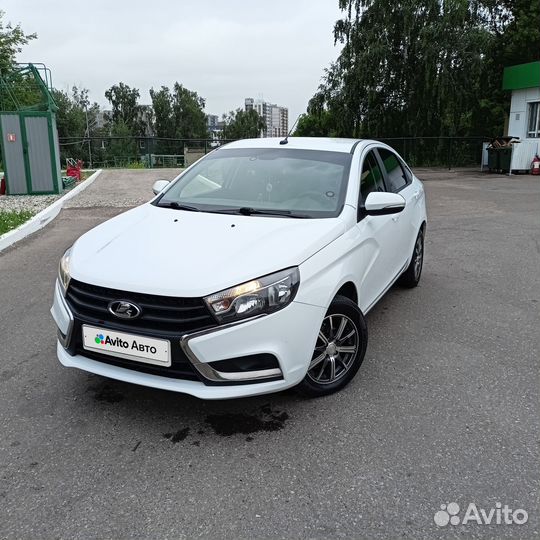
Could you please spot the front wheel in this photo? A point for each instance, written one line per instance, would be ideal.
(339, 351)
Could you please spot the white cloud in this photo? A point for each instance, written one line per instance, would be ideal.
(225, 51)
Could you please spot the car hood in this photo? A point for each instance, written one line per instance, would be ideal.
(181, 253)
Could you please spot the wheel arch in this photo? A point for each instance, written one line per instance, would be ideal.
(348, 290)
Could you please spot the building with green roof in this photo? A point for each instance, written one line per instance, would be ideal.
(523, 81)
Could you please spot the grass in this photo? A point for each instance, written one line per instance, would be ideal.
(12, 219)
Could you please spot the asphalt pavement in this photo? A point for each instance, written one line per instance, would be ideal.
(445, 408)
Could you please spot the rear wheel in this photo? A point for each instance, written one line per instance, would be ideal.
(411, 277)
(339, 351)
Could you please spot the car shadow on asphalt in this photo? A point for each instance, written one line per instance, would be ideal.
(187, 415)
(186, 418)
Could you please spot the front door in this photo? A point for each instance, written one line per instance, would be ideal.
(379, 255)
(399, 180)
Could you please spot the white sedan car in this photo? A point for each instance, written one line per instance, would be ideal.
(249, 273)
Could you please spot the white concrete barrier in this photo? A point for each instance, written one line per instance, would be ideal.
(45, 216)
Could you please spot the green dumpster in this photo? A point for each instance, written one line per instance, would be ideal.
(505, 157)
(493, 159)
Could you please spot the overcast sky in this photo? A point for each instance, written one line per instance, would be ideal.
(224, 50)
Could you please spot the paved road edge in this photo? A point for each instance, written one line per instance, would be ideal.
(45, 216)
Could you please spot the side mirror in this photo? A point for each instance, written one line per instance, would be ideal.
(159, 186)
(381, 203)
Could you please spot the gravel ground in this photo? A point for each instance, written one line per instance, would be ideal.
(121, 188)
(36, 203)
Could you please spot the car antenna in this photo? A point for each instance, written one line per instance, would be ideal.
(286, 139)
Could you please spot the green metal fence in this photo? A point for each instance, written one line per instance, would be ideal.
(153, 152)
(446, 152)
(135, 152)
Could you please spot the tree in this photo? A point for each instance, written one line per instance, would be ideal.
(164, 126)
(178, 114)
(315, 124)
(420, 68)
(188, 110)
(12, 39)
(242, 124)
(75, 114)
(406, 68)
(72, 110)
(122, 148)
(125, 107)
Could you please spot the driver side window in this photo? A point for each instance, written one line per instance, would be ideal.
(371, 178)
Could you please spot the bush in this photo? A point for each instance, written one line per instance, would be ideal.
(135, 165)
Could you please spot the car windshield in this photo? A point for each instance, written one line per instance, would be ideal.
(263, 181)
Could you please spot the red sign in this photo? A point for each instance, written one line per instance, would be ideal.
(11, 137)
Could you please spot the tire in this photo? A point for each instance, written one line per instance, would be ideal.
(352, 335)
(411, 277)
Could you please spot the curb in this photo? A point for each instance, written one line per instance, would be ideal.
(45, 216)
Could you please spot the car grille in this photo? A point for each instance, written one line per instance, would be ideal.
(160, 315)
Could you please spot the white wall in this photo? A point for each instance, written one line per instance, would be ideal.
(517, 125)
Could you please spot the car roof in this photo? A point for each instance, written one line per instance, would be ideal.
(301, 143)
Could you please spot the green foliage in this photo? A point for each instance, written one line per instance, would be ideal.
(242, 124)
(125, 107)
(315, 124)
(122, 150)
(12, 219)
(71, 122)
(72, 110)
(12, 39)
(24, 92)
(422, 68)
(163, 112)
(136, 165)
(178, 113)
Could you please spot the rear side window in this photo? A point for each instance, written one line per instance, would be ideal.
(395, 174)
(371, 178)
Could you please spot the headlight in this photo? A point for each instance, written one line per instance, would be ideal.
(63, 271)
(263, 295)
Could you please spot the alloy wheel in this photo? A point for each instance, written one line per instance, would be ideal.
(336, 348)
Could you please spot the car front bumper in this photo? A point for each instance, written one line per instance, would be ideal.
(289, 335)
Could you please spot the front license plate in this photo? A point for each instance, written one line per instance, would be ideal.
(129, 346)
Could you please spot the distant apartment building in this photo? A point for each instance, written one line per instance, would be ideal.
(275, 117)
(212, 121)
(214, 125)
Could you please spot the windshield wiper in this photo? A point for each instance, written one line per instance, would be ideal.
(248, 211)
(178, 206)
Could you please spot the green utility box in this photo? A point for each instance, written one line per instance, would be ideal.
(28, 134)
(30, 152)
